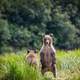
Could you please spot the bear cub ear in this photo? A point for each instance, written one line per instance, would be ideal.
(35, 51)
(28, 51)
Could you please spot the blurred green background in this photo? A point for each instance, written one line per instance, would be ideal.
(23, 22)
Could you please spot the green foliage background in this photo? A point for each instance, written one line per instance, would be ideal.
(23, 22)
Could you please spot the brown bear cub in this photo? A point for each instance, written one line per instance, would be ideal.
(31, 58)
(47, 56)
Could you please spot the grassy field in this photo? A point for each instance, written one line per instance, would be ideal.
(68, 65)
(14, 67)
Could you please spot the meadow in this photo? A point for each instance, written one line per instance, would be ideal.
(14, 67)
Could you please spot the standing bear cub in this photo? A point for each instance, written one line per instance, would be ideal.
(47, 56)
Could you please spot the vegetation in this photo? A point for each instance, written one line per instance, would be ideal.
(14, 67)
(23, 22)
(68, 64)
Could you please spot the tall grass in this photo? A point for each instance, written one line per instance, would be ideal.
(14, 67)
(68, 65)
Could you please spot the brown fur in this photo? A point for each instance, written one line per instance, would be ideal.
(47, 56)
(31, 58)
